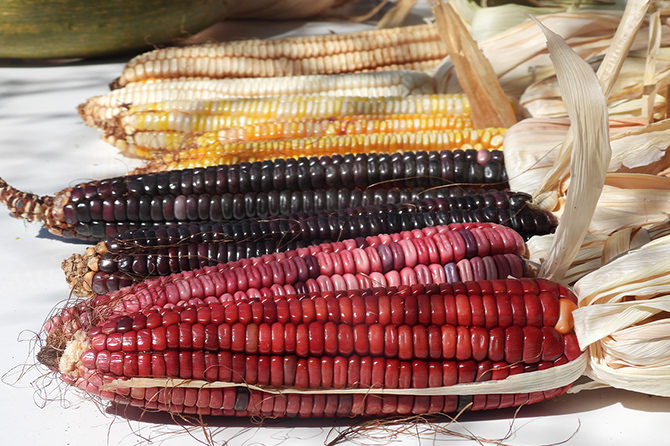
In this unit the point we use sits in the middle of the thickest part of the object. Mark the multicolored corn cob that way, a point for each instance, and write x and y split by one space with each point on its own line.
181 345
414 48
193 116
154 144
136 256
381 84
345 125
101 209
206 151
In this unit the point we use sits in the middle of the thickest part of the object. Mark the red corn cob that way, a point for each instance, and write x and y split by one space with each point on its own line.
395 350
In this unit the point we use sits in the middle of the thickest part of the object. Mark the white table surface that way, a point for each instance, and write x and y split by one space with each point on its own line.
44 147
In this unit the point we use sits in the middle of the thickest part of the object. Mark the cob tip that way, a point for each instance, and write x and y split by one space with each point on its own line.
80 268
78 272
64 359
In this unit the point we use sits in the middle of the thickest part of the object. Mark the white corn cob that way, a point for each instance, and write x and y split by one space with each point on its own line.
100 109
415 47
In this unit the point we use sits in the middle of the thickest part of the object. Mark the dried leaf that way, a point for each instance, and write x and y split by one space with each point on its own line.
537 381
615 244
489 22
623 319
608 71
531 147
542 99
489 105
596 249
591 153
650 84
631 200
632 20
519 55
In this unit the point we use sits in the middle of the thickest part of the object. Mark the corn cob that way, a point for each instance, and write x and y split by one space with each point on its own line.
152 144
205 152
103 208
346 125
196 116
432 255
252 205
382 351
189 116
161 251
389 83
414 47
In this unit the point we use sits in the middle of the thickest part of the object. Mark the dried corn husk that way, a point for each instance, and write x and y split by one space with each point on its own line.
519 56
587 109
537 381
623 40
487 22
651 81
636 193
596 249
623 320
624 305
532 147
489 105
542 99
631 201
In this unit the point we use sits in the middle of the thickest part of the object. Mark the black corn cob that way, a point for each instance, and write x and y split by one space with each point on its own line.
160 251
101 209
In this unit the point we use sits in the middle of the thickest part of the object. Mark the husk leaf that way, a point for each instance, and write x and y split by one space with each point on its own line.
628 98
608 71
532 146
650 78
632 20
597 249
488 22
489 106
624 321
631 200
519 56
587 109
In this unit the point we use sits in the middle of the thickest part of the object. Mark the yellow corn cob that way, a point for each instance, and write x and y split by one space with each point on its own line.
203 116
204 151
150 144
207 116
414 47
100 109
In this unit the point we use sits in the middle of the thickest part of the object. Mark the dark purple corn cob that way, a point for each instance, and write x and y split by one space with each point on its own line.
101 209
150 252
